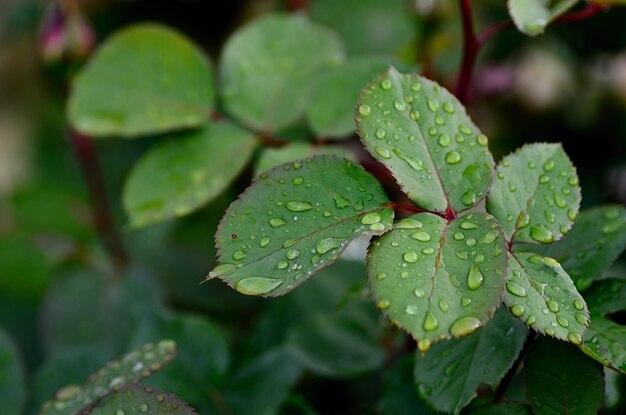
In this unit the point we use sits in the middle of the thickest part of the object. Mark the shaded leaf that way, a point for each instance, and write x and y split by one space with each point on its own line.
145 79
269 67
137 400
331 110
185 172
294 220
605 340
595 241
449 374
536 194
12 377
540 293
400 395
272 157
532 16
561 380
504 408
132 367
369 26
422 133
436 279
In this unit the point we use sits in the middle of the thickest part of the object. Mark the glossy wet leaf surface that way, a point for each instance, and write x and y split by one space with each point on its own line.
132 367
272 157
532 16
438 280
294 220
595 241
423 135
605 340
185 172
560 379
12 377
541 294
138 400
154 80
330 112
449 374
535 194
269 68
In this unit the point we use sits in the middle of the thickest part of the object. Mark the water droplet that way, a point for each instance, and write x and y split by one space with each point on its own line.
423 345
433 104
239 255
453 157
120 412
371 218
553 306
579 305
383 152
298 206
264 242
276 222
420 236
475 278
326 245
381 276
428 251
340 201
257 286
430 322
447 107
410 257
543 179
383 304
516 289
470 242
419 293
531 320
541 233
581 319
143 407
385 84
468 198
365 110
298 180
550 216
466 301
443 305
414 163
467 225
293 254
459 236
377 227
222 270
415 115
399 105
282 265
464 325
482 140
411 309
548 166
562 322
408 224
380 133
575 338
444 140
517 310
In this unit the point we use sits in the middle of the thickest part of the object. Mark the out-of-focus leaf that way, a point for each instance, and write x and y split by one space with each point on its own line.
186 172
139 400
12 379
272 157
145 79
532 16
449 374
269 68
400 395
504 408
294 220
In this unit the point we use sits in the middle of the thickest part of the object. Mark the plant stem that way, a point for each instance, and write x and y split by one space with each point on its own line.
508 378
87 155
588 12
297 5
470 52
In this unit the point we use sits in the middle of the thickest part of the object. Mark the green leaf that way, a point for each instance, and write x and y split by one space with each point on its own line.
270 66
560 380
186 172
436 279
605 340
139 400
272 157
504 408
294 220
536 194
369 26
532 16
145 79
331 110
595 241
422 133
12 379
134 366
449 374
400 396
540 293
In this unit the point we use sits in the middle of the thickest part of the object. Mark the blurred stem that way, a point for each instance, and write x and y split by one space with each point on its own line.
297 5
101 209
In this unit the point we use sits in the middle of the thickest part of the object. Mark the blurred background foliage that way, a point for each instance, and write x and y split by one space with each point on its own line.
66 311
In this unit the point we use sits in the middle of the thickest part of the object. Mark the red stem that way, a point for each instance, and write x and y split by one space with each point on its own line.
88 157
588 12
297 5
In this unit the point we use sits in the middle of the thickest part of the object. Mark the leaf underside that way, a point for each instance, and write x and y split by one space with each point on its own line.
532 16
296 219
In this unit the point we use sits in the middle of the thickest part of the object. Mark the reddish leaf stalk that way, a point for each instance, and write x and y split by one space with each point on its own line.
87 155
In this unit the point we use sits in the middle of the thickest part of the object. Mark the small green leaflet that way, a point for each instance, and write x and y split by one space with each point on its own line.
449 374
542 295
296 219
536 194
12 379
595 241
185 172
532 16
605 340
437 279
422 133
270 66
559 380
134 366
145 79
135 399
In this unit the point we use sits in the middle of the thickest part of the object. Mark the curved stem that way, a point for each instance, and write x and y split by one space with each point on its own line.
470 52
